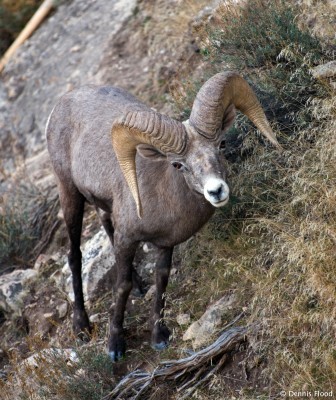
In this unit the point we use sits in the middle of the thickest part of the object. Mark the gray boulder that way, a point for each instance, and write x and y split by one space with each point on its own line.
13 288
98 262
201 331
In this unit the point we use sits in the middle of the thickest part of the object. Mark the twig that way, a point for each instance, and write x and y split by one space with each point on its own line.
33 24
212 372
186 373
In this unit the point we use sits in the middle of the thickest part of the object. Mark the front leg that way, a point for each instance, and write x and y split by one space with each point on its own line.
124 258
160 333
81 323
72 203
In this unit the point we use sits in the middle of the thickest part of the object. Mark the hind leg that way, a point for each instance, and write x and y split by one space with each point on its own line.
124 252
106 221
72 203
160 332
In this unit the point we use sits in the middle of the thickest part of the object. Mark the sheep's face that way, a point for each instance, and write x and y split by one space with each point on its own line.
203 167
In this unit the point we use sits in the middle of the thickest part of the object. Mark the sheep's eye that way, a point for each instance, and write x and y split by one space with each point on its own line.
222 145
177 165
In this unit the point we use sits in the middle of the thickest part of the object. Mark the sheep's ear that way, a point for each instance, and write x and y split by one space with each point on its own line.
150 152
228 118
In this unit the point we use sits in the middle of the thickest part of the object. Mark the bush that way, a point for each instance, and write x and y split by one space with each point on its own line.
27 218
253 35
263 41
83 373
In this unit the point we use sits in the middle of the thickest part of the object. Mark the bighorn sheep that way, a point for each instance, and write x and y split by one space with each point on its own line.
152 178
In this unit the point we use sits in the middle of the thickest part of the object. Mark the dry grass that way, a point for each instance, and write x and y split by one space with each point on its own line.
291 261
275 245
83 373
28 218
295 289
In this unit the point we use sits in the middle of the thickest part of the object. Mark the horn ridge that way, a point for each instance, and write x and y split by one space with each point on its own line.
136 127
160 129
216 95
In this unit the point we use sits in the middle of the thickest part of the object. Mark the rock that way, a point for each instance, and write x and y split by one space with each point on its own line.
44 315
14 87
94 318
98 261
38 168
205 14
183 319
62 309
145 248
150 267
42 259
325 71
37 359
200 331
35 368
150 293
33 81
59 278
13 287
42 325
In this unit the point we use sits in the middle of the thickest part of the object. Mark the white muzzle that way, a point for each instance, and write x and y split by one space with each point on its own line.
216 191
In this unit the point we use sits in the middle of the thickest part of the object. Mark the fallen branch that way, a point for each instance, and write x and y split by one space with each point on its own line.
33 24
187 373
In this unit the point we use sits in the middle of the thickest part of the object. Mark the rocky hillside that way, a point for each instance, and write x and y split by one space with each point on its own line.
131 44
259 266
141 46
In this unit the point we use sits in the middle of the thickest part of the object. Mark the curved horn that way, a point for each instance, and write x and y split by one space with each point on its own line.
216 95
148 127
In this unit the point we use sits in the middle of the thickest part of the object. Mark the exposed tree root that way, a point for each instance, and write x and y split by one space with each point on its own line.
187 374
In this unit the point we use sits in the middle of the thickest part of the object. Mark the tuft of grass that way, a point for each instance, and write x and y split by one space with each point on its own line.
254 34
27 219
262 40
83 373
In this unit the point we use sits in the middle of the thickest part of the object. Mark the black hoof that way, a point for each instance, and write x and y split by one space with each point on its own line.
84 336
160 346
116 356
160 337
138 292
81 326
117 347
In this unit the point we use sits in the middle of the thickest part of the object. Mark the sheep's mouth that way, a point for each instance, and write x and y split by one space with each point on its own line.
220 203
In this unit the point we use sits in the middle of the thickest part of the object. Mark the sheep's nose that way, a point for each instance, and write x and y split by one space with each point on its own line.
216 191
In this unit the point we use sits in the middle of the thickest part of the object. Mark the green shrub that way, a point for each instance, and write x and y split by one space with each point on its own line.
253 35
27 218
262 39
